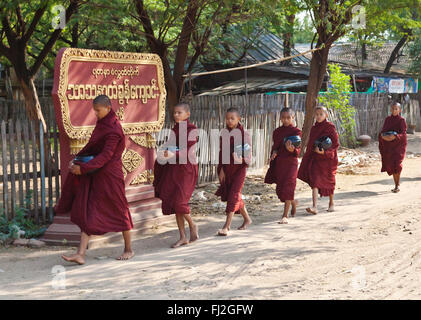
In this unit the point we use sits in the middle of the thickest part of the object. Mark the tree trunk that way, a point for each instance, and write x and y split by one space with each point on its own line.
364 53
395 52
33 110
318 67
288 38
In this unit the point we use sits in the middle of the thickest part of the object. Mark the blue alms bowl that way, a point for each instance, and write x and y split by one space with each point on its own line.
241 150
295 140
83 159
389 133
323 143
172 148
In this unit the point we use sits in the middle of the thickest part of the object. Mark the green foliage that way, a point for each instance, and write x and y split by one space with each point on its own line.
415 55
9 229
337 99
304 31
387 20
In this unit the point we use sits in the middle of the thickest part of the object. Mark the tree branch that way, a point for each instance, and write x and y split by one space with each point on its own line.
21 22
10 35
37 17
52 40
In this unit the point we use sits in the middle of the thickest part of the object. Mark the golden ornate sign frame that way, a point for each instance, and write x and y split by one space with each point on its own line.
75 54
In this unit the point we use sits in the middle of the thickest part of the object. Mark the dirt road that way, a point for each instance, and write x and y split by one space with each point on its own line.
368 249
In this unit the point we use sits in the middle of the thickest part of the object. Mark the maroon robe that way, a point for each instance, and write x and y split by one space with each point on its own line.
319 170
235 174
175 182
393 152
283 169
96 200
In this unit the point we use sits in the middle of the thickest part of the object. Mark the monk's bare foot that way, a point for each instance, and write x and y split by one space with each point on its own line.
331 209
77 258
180 243
223 232
312 210
245 225
284 220
126 255
396 190
194 233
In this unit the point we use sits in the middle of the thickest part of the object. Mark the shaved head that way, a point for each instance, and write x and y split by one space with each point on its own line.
396 104
288 110
183 105
324 109
234 110
102 100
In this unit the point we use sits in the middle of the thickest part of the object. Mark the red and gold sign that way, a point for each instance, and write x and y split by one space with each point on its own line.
135 84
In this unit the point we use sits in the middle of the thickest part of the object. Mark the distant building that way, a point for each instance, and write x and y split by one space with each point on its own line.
367 76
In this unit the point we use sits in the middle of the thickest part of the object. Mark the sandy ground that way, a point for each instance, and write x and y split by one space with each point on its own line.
368 249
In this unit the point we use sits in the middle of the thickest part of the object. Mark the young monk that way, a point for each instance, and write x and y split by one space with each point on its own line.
284 163
393 147
318 167
176 173
94 191
232 169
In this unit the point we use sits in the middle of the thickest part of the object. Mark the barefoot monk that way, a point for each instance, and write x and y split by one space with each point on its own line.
94 191
392 144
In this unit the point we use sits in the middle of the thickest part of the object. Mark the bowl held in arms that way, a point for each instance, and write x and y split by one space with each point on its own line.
323 143
84 159
295 140
242 150
169 148
389 133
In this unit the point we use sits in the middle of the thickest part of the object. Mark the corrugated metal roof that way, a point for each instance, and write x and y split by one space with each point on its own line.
265 46
256 85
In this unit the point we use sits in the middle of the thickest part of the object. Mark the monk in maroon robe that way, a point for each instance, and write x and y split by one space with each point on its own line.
94 191
176 173
318 167
393 146
234 157
284 163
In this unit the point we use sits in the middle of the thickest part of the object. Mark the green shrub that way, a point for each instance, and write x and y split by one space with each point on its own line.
337 99
9 229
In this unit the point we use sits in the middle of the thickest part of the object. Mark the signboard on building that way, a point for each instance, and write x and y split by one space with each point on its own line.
395 85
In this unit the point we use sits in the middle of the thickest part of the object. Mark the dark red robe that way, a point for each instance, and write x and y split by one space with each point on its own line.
316 169
283 169
175 182
235 173
393 152
96 200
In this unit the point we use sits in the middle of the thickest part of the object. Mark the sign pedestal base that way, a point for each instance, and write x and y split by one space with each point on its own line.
144 208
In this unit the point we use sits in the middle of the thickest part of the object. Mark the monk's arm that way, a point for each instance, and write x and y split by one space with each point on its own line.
86 150
331 152
104 156
276 143
297 150
219 168
401 136
247 140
